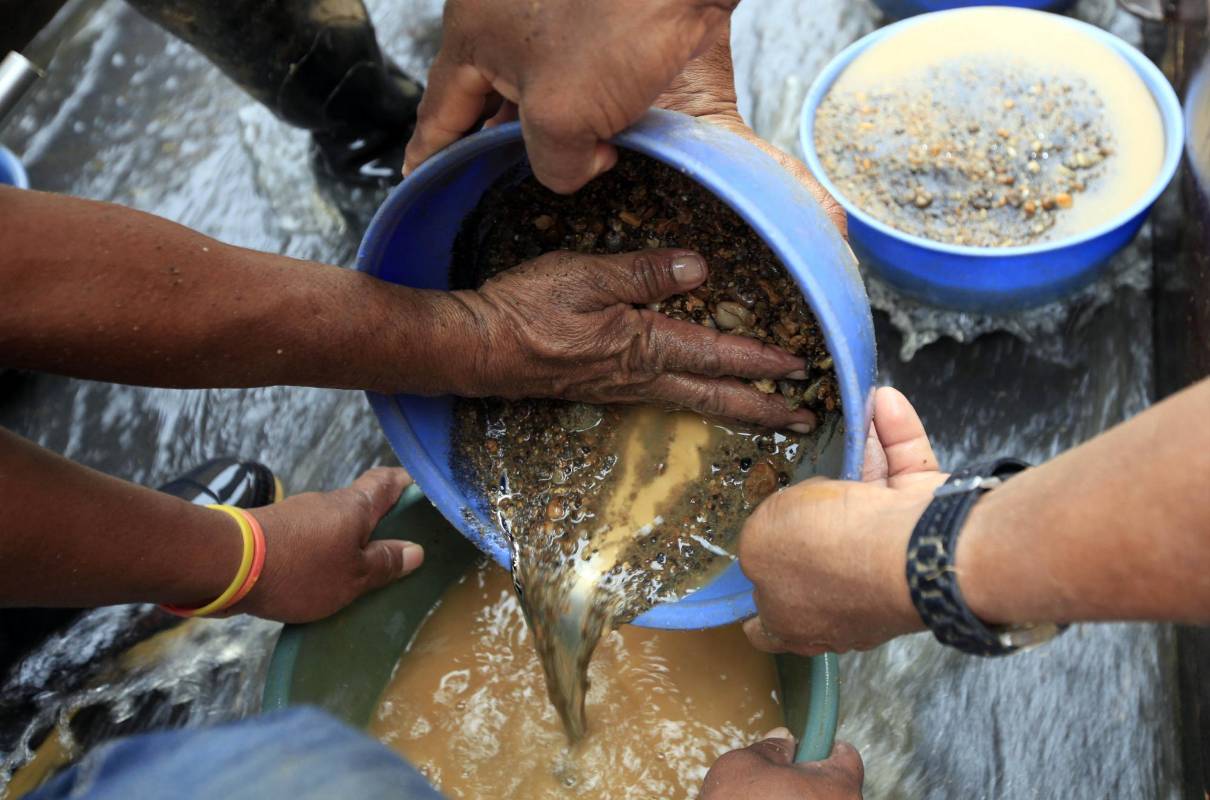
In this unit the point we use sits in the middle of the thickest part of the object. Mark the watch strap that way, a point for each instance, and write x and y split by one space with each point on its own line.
931 573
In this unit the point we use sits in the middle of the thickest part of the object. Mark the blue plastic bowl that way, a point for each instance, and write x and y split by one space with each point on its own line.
410 239
11 171
899 9
1003 278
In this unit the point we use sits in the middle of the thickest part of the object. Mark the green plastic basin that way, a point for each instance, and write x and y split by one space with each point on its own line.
342 664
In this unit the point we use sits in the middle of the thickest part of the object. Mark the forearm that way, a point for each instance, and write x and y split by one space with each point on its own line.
1117 529
74 537
103 292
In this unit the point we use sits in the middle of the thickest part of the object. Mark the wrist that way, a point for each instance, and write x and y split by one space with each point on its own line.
892 547
470 351
206 554
432 342
997 584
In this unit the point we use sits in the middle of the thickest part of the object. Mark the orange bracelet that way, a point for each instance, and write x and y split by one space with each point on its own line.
251 564
258 557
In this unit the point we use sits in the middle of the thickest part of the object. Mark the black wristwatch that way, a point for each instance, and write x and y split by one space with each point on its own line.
932 575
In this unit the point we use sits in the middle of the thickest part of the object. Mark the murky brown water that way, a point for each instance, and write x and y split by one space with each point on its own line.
611 511
467 705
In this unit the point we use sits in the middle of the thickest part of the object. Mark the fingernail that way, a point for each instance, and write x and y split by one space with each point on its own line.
689 270
797 375
604 159
413 557
802 427
780 733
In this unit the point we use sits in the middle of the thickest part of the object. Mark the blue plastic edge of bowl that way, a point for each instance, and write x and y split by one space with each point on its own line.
899 9
12 173
853 350
1020 288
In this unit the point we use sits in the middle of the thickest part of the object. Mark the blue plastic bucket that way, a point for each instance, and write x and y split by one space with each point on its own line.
11 171
409 242
898 9
995 279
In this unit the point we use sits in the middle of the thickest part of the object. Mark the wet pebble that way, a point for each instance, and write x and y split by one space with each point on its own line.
760 483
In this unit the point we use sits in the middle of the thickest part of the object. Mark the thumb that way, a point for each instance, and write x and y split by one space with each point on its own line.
842 770
643 277
563 156
777 747
389 560
760 638
902 435
449 108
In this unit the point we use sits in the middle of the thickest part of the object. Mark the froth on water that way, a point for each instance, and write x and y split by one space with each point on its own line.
468 707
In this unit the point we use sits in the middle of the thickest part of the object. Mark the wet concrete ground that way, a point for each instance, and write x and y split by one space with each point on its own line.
131 116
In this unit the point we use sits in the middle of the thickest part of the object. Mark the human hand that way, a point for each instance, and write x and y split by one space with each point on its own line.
706 89
318 553
767 770
577 72
827 557
566 325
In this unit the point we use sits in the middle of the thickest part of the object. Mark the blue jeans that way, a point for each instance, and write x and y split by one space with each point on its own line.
289 755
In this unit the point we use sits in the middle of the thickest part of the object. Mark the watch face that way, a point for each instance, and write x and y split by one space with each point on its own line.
1026 637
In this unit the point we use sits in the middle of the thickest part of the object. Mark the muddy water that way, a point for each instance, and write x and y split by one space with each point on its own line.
1021 42
467 705
659 455
611 510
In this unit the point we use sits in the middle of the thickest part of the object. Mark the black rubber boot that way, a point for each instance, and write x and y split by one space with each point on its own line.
227 481
317 65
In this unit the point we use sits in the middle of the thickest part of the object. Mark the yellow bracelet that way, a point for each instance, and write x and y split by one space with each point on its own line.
241 575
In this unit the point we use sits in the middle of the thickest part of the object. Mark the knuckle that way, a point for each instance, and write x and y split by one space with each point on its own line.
644 352
547 118
649 273
710 400
362 574
358 500
708 357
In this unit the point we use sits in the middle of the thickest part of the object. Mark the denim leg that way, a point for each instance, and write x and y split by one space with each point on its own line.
296 754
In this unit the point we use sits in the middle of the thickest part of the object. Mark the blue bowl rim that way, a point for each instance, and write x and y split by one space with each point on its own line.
856 408
12 165
1153 79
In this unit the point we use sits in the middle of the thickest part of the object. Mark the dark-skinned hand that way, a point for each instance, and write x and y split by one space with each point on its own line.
574 326
318 553
575 72
706 89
